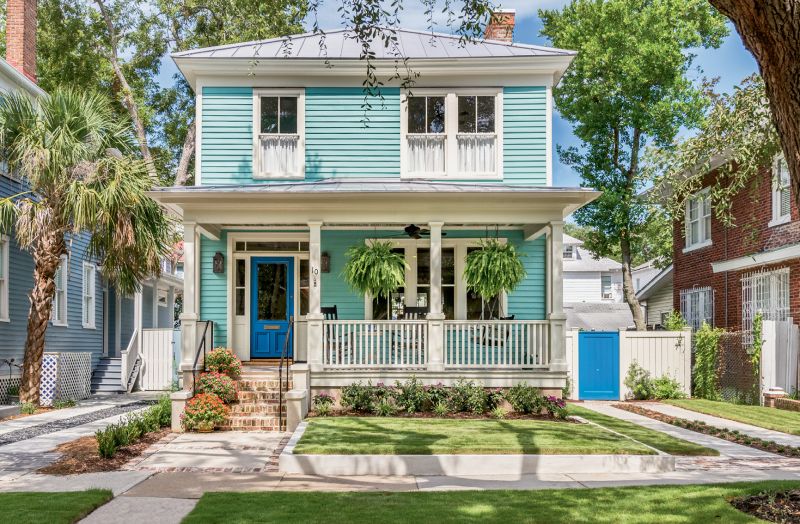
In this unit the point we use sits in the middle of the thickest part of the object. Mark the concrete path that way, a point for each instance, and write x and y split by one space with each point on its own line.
136 510
748 429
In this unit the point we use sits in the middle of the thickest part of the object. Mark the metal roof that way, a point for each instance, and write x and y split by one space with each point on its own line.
598 316
587 262
357 185
341 44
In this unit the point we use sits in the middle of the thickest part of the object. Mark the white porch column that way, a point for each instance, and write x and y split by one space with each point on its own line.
558 348
314 316
154 312
171 307
189 314
435 315
117 323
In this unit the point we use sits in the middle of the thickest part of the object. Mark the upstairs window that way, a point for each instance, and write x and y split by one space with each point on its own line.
698 220
279 128
569 252
4 242
781 193
606 291
452 134
58 315
89 272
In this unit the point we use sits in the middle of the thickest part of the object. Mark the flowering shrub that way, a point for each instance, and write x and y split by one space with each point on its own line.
555 407
410 395
437 394
323 404
524 399
225 361
204 409
357 397
217 384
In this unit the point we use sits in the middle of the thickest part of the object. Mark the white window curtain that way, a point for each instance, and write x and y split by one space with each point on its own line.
476 154
426 153
58 315
697 306
89 277
766 292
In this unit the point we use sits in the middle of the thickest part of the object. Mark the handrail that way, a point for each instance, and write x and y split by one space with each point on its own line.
201 346
284 355
127 364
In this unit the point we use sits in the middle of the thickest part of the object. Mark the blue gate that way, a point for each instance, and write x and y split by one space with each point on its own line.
598 365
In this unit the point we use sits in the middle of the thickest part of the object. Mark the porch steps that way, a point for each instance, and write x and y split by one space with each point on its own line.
258 406
107 376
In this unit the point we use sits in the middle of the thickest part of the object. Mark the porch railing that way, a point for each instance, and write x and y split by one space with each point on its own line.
374 344
496 343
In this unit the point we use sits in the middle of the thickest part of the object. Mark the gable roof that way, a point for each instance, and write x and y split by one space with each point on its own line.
663 278
571 241
341 44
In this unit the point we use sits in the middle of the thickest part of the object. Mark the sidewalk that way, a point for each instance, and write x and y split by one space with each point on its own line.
753 431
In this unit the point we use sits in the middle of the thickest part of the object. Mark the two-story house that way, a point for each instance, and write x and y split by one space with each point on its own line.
725 275
293 169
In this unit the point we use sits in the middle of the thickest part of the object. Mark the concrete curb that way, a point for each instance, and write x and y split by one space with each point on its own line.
461 465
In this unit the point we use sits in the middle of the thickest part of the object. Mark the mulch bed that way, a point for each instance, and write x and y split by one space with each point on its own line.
465 416
81 456
725 434
783 507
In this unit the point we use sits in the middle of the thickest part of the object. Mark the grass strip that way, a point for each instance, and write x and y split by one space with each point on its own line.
628 505
723 433
51 508
763 417
651 437
410 436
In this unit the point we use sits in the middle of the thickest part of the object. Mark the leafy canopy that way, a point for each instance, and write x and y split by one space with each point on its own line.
627 87
374 269
73 151
494 268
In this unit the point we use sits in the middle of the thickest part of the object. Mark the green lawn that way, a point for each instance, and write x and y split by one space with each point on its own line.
430 436
630 505
51 508
769 418
651 437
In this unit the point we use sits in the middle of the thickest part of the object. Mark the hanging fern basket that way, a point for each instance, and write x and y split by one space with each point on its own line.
374 269
493 269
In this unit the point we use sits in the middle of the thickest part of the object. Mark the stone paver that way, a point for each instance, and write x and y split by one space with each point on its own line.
117 481
187 485
228 451
136 510
753 431
725 448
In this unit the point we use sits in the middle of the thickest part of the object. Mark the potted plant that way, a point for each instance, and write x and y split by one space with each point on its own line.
218 384
374 269
13 394
493 269
203 413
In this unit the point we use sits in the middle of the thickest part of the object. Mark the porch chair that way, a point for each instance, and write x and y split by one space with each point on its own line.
415 312
487 338
410 313
338 343
330 312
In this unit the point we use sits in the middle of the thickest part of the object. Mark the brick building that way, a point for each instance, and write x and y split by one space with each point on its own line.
725 275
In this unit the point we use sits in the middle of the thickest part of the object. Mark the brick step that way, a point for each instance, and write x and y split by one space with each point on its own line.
262 385
258 396
244 409
252 423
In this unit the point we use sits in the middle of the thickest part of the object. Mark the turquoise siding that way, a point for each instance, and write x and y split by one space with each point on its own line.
338 142
227 135
214 288
524 135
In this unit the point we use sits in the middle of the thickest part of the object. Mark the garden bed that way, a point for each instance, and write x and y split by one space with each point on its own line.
725 434
763 417
783 506
508 415
80 456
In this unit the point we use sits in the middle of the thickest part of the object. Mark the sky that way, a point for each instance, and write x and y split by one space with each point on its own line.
730 63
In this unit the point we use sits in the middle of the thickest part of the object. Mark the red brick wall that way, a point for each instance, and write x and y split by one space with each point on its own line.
21 36
750 234
501 26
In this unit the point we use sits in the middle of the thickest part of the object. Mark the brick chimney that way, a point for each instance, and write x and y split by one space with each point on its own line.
501 25
21 36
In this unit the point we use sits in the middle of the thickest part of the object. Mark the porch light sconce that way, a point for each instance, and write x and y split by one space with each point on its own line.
325 263
219 263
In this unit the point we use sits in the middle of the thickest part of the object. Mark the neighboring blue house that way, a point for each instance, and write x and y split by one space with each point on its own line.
293 169
88 314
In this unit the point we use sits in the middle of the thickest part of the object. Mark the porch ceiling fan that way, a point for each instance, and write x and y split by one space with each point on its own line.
416 232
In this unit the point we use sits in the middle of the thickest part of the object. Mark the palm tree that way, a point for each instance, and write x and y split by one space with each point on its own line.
74 154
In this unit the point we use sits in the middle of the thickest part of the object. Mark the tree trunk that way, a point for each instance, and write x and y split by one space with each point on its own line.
182 175
627 283
127 94
770 30
46 258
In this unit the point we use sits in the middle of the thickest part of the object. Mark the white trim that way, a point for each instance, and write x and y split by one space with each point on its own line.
198 136
549 135
300 94
759 259
451 133
63 265
5 314
92 294
695 247
701 197
776 190
785 219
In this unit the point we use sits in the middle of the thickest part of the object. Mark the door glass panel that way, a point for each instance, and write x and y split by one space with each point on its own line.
272 289
304 272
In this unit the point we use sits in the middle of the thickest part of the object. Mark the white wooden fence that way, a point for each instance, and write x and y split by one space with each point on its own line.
659 352
496 343
157 359
779 355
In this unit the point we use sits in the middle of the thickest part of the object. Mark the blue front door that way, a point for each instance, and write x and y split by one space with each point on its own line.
272 303
598 365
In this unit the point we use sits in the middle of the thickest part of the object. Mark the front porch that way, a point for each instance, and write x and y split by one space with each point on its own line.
264 264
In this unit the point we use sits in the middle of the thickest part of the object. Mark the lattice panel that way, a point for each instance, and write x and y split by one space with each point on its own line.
74 376
6 383
47 385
